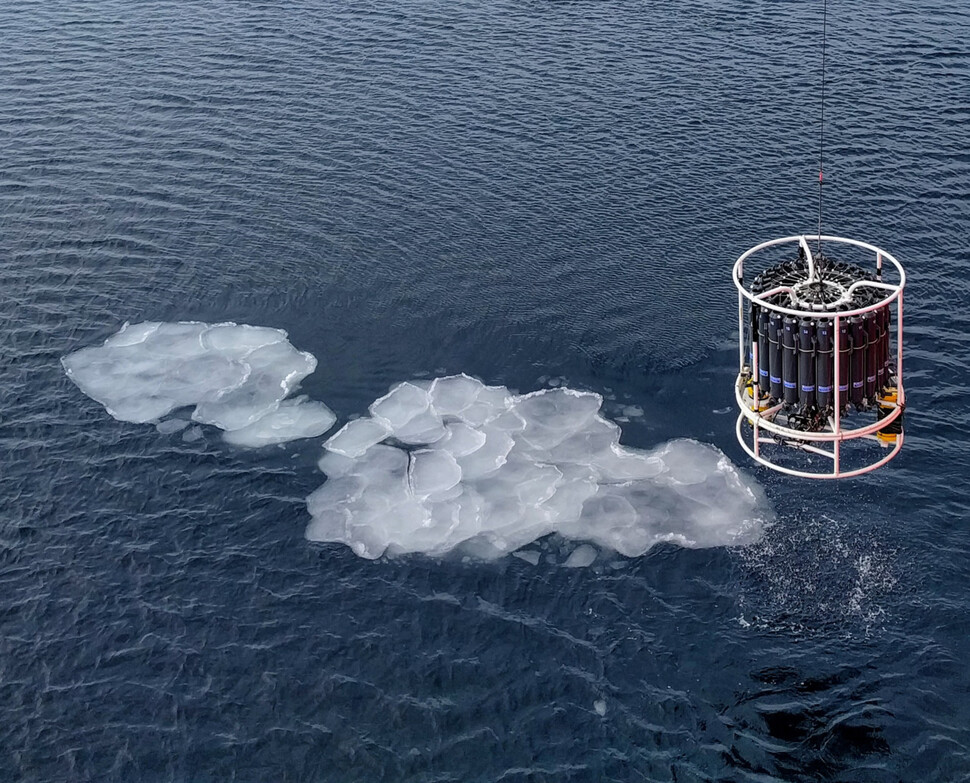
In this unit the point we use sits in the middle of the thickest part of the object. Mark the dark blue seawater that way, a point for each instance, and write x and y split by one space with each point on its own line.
519 191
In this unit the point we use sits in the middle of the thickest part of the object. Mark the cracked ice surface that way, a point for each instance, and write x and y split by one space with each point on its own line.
457 465
235 376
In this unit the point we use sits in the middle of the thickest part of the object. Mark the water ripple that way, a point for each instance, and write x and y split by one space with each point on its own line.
517 191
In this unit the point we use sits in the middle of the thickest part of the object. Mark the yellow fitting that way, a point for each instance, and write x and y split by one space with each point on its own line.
887 401
889 397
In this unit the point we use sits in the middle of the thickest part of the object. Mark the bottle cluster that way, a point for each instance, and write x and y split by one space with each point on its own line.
796 359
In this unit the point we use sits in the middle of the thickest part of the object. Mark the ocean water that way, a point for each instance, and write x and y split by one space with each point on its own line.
536 194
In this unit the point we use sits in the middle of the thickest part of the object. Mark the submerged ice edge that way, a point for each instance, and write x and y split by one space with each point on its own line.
437 466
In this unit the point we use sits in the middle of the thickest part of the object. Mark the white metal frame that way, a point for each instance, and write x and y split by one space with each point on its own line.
828 442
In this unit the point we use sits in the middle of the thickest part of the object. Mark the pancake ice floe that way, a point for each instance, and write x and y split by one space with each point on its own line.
455 465
235 377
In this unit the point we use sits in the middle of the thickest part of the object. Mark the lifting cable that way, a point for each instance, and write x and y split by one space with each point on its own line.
821 130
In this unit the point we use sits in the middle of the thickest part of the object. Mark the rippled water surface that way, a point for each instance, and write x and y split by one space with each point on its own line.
533 193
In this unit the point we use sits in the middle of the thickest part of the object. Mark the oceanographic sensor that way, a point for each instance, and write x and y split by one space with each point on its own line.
820 377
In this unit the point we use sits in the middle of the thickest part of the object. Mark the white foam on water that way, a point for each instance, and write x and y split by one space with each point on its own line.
237 378
455 465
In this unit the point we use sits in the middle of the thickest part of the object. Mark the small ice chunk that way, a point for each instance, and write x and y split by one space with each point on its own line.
180 341
498 398
507 421
600 706
432 471
593 441
452 394
336 495
552 415
169 426
401 404
609 511
385 468
293 419
618 464
192 434
142 408
535 482
686 462
489 457
580 557
333 463
356 436
461 439
479 413
566 504
458 517
240 340
422 429
529 555
272 372
328 523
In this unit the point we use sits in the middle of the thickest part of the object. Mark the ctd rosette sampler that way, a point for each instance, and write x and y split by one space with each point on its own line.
820 384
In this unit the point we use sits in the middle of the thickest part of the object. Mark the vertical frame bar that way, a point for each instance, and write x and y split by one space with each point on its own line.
756 392
837 357
899 349
740 320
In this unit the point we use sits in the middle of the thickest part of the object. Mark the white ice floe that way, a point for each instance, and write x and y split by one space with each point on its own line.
457 465
438 466
236 377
